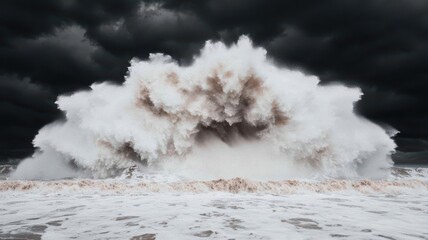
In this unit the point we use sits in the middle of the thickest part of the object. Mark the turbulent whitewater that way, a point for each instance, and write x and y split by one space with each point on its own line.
231 113
231 146
138 205
150 183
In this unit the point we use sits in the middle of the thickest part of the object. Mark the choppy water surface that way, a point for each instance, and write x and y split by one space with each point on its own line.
156 207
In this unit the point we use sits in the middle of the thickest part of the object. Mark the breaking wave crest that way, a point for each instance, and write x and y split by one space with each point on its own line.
234 185
231 113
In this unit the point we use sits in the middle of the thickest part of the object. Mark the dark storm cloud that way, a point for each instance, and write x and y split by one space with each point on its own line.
25 106
60 59
152 28
53 47
20 18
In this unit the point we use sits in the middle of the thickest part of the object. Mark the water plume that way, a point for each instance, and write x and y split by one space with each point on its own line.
231 113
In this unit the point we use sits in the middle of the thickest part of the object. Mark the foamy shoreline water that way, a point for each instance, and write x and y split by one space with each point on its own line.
155 207
213 215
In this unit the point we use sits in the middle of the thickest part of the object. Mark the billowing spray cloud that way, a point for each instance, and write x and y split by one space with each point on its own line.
231 113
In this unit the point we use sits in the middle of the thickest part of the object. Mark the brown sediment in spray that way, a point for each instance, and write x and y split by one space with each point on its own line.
233 107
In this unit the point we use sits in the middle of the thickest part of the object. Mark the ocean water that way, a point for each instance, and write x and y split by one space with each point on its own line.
231 146
143 206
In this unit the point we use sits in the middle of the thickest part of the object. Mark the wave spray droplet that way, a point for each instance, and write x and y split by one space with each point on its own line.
232 113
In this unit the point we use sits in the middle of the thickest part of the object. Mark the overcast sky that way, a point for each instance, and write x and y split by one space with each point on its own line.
52 47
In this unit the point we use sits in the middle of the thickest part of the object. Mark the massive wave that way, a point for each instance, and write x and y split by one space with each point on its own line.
231 113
